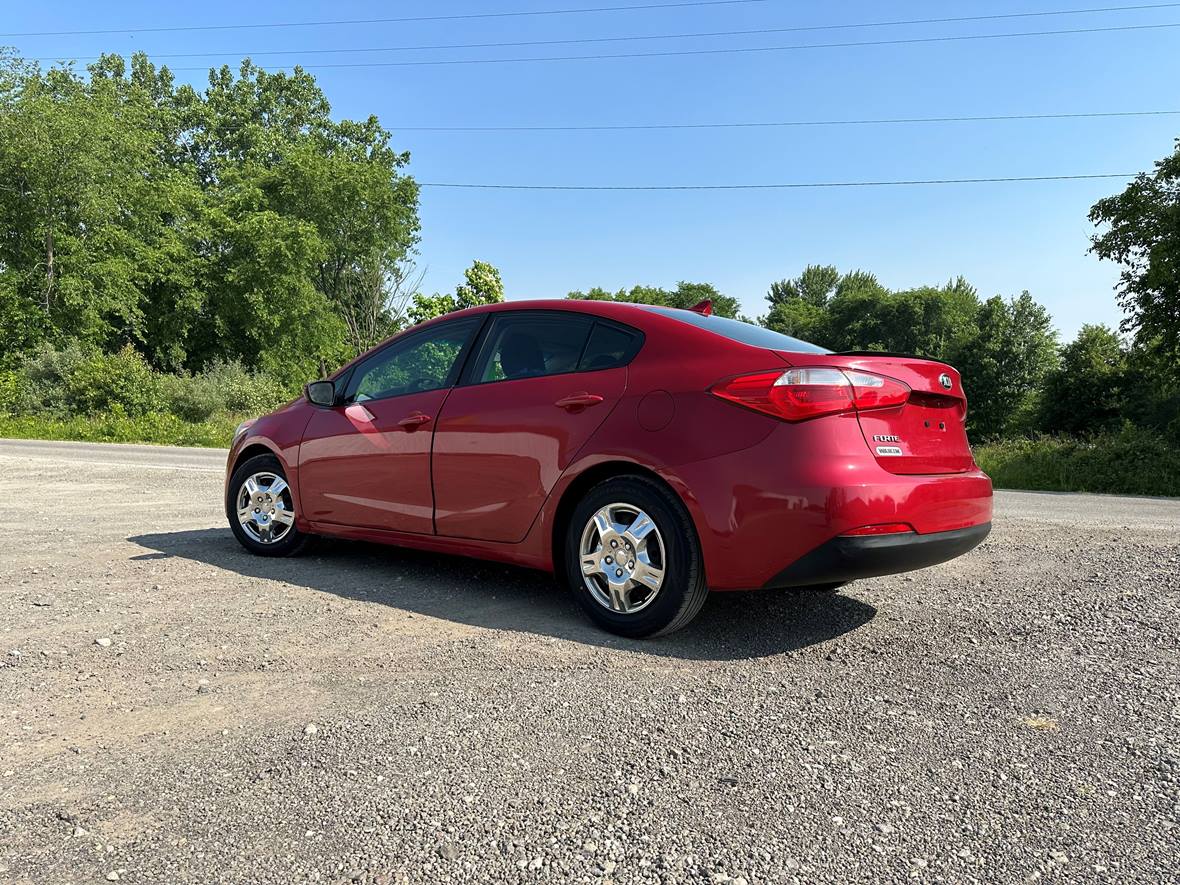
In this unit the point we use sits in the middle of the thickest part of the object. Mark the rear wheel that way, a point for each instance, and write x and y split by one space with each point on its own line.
261 508
632 558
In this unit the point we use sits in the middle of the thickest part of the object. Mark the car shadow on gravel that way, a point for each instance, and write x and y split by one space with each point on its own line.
731 626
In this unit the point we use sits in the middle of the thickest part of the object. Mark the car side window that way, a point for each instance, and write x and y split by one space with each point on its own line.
609 347
426 361
532 345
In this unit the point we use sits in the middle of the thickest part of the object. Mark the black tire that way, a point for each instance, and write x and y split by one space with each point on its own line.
683 590
290 543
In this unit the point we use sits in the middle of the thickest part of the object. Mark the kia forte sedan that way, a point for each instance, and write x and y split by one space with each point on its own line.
645 455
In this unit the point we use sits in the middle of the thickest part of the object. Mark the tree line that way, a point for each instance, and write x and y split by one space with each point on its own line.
239 222
185 230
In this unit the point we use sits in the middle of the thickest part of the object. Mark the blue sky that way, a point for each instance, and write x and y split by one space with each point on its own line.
1003 237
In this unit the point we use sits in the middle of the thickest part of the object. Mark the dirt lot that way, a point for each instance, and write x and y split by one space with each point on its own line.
174 710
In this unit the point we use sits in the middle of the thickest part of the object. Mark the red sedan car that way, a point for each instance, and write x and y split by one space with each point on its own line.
643 454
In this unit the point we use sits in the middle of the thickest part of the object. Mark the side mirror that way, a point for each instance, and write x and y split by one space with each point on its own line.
321 393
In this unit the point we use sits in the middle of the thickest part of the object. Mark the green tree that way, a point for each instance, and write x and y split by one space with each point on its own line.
481 285
855 312
1143 235
1084 394
800 319
814 286
92 213
685 295
1004 362
316 213
237 222
597 294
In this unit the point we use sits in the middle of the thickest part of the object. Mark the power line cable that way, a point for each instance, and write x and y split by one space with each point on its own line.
381 21
637 37
724 51
780 186
774 123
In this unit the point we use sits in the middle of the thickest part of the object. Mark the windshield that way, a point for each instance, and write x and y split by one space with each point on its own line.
736 330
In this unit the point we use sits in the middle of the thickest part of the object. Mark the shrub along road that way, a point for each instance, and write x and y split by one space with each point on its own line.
172 709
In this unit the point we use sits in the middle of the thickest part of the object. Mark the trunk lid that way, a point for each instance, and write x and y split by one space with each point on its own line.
924 435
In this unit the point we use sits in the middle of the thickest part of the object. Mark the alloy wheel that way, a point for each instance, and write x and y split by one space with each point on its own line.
265 508
622 559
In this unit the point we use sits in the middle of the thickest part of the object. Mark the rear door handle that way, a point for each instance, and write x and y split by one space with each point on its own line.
578 401
413 422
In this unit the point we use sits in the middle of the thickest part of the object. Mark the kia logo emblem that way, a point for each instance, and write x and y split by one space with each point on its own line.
945 380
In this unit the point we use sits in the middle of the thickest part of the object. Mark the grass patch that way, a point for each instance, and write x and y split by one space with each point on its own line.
156 427
1131 461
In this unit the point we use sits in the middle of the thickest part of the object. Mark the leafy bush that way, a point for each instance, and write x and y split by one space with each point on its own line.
69 381
248 392
222 388
191 398
1130 461
15 397
119 382
45 373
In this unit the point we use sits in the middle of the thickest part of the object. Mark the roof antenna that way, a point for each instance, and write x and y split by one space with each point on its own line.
704 308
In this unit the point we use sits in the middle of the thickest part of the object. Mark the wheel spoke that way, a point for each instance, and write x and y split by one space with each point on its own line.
603 524
245 514
648 575
590 565
277 487
640 528
285 517
251 486
618 597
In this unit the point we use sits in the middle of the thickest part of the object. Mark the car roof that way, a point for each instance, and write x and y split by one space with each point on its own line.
616 309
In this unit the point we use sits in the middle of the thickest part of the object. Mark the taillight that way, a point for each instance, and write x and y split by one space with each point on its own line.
800 394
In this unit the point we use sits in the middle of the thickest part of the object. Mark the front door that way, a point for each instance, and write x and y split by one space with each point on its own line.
541 385
366 461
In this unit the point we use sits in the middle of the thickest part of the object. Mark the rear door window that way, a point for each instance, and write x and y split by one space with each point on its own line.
532 345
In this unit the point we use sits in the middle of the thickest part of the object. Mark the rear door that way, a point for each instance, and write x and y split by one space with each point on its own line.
366 461
540 385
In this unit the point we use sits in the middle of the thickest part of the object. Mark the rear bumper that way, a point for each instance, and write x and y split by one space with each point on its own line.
848 558
759 510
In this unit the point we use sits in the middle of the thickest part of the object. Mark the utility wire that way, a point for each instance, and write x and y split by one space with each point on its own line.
381 21
725 51
752 187
636 37
753 125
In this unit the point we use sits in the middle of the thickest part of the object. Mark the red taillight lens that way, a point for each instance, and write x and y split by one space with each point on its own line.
888 528
800 394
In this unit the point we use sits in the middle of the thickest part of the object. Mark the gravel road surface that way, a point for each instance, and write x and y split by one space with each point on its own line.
175 710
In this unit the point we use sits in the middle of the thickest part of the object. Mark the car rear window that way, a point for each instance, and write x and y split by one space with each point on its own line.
743 333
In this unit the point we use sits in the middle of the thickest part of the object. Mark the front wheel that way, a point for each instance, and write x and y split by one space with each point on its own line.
261 508
633 560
